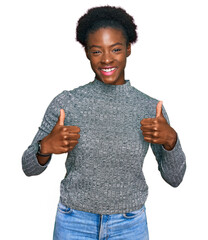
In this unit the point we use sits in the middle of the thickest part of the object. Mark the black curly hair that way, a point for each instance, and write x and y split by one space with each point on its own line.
106 16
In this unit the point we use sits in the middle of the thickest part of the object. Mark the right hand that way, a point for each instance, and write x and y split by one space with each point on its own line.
62 139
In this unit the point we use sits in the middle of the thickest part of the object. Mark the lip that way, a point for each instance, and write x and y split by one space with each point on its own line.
106 67
107 73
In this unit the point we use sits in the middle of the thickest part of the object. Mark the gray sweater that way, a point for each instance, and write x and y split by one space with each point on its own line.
104 170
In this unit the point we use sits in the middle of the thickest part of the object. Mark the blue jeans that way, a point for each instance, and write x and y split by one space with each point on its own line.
71 224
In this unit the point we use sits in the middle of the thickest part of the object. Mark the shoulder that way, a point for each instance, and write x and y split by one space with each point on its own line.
68 95
143 96
148 104
144 100
75 93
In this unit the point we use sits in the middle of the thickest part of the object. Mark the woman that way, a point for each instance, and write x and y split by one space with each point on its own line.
106 127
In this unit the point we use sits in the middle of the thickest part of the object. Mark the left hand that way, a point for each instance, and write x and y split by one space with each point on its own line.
157 130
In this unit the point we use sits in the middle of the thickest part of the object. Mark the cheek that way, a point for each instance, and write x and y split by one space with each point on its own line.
122 58
94 67
93 64
123 62
94 61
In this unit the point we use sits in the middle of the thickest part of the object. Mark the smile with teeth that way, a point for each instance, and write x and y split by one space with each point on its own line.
107 69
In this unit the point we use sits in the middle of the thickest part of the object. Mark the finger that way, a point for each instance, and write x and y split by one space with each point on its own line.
149 128
61 118
71 136
147 134
147 121
68 143
159 109
73 129
73 143
74 136
151 134
150 139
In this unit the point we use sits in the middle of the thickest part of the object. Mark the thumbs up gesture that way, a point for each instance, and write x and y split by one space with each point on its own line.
62 138
157 130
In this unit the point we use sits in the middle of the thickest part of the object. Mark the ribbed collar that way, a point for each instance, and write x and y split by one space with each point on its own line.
109 89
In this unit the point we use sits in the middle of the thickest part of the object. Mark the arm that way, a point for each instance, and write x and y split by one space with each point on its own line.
54 135
31 164
166 146
171 164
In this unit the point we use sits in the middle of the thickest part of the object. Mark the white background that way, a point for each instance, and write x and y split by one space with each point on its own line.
39 58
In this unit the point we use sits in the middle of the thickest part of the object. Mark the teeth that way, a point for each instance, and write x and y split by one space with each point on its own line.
108 69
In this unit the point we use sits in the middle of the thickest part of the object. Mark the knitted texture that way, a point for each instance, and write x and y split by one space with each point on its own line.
104 170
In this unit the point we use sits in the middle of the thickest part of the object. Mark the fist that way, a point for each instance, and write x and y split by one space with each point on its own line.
62 139
157 130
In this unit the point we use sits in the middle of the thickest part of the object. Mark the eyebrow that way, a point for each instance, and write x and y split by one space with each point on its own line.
118 43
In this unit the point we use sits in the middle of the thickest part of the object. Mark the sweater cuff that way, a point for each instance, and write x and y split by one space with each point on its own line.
36 150
32 166
174 156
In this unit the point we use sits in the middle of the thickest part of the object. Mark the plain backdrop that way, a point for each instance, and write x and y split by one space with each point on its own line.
39 58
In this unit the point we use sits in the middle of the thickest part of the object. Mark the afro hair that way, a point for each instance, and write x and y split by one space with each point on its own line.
106 16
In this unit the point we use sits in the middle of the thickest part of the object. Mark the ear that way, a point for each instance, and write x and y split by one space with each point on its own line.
128 50
87 53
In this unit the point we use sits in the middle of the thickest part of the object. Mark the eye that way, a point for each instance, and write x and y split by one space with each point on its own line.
96 52
116 50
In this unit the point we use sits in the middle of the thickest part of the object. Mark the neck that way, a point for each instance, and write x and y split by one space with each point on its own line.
112 83
111 89
109 81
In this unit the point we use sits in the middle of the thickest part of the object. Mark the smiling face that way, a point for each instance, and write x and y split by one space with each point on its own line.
107 51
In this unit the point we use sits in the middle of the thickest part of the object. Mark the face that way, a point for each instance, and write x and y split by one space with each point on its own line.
107 51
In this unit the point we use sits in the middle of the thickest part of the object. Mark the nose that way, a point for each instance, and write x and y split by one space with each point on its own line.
107 58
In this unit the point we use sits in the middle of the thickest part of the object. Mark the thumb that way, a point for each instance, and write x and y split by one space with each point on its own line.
61 118
159 109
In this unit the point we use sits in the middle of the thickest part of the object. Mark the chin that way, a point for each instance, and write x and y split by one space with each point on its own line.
107 80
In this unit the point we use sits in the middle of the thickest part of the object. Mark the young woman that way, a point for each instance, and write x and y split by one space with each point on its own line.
106 127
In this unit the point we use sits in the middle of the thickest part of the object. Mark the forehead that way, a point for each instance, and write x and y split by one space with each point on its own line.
106 36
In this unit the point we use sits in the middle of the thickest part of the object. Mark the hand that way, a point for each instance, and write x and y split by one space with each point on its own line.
157 130
62 138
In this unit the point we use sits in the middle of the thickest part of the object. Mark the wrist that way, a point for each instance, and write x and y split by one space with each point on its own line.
42 150
171 141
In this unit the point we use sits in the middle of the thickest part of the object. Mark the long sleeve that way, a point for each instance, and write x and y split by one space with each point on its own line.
30 164
171 164
104 172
